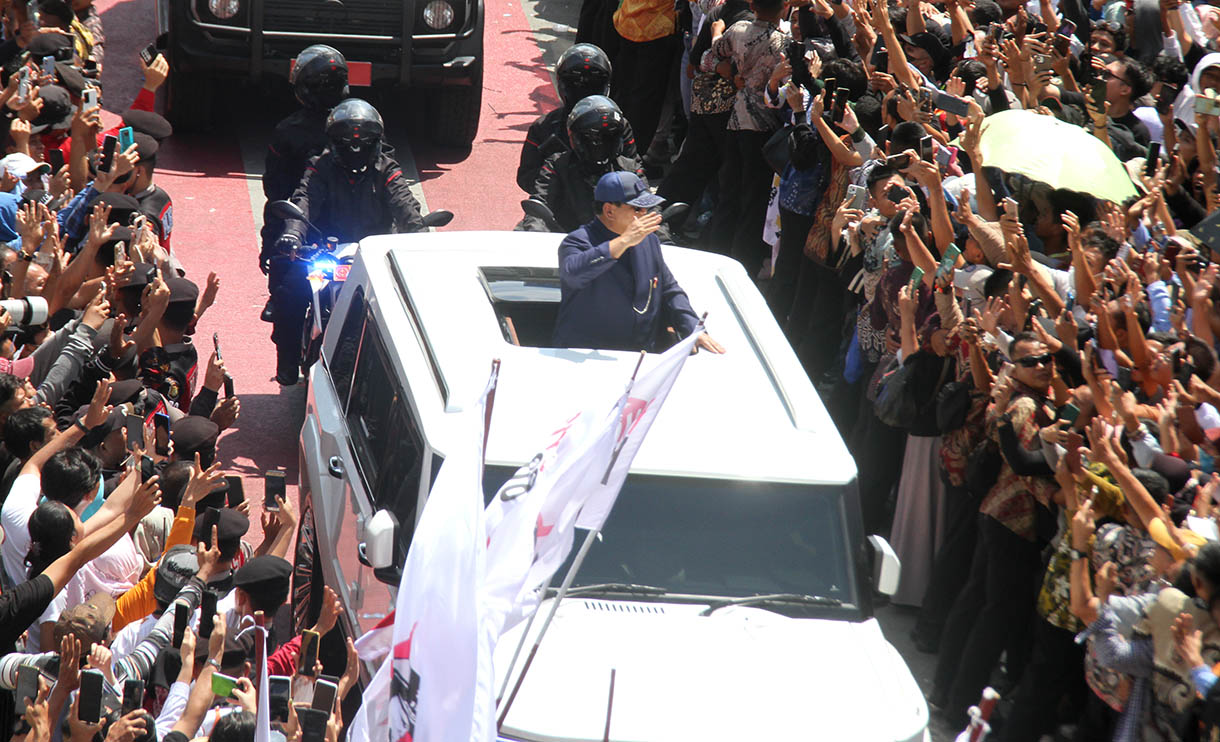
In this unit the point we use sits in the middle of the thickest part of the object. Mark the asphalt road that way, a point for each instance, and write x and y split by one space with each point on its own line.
214 180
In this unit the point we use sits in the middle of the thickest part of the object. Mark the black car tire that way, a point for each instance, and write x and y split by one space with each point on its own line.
455 113
307 580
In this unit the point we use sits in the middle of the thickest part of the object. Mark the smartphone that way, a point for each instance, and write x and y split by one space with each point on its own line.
1043 63
135 432
161 434
313 724
840 103
133 695
1067 28
127 137
207 614
996 32
1097 94
27 686
952 104
146 468
896 194
148 54
1124 377
1010 206
228 386
309 653
89 703
273 486
89 97
55 158
880 58
1062 45
899 162
1165 99
1154 155
1174 291
830 88
237 492
216 345
924 97
858 195
223 685
1068 413
949 259
324 692
926 149
280 687
120 252
916 277
23 86
108 146
182 618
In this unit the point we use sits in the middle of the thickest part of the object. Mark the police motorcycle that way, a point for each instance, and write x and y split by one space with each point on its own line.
328 264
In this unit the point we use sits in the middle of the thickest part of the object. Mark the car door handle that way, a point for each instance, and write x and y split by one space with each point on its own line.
335 467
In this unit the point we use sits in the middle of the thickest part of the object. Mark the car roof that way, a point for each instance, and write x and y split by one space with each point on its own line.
748 414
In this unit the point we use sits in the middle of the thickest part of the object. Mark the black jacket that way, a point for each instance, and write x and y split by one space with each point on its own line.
548 136
566 185
379 201
296 140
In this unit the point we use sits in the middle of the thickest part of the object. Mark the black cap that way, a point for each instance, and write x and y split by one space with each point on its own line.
182 290
49 45
146 122
70 78
56 110
230 526
267 576
174 570
146 146
125 391
123 207
193 433
142 274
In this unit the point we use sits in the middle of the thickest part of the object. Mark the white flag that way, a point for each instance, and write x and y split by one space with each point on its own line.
435 660
532 520
262 720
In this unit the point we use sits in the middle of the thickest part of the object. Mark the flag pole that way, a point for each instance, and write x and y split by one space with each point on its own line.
521 643
609 707
494 381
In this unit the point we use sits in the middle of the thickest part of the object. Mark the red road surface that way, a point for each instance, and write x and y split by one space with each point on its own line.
214 225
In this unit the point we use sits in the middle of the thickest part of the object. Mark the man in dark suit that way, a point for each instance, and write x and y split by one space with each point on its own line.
617 292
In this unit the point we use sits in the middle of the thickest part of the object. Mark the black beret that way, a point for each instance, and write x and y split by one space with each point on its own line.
181 290
70 78
146 146
142 274
265 574
56 109
230 525
125 391
49 45
122 206
192 433
114 421
147 122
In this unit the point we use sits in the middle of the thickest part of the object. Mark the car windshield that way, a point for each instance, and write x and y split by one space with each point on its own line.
719 537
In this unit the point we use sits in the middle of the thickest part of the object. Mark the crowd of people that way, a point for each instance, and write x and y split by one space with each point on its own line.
132 580
1027 321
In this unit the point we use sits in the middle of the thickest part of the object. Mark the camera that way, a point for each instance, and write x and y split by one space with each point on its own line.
26 312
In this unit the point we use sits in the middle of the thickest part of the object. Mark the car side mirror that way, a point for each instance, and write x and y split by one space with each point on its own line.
886 566
377 549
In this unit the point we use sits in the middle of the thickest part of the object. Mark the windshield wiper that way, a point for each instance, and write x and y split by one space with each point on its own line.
613 587
772 598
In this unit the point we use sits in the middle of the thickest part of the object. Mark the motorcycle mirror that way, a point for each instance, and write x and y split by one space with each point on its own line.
674 212
438 218
287 210
538 210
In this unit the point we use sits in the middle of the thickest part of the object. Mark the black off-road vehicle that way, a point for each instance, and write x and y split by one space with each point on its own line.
435 45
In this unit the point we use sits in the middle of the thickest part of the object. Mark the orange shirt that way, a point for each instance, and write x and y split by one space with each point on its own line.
139 602
645 20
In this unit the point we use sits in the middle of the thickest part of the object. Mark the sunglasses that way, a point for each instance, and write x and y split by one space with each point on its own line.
1032 361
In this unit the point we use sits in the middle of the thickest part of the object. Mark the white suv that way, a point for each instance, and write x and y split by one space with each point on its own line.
743 488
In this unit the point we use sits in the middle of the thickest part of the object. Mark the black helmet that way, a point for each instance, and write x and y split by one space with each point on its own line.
355 130
319 77
595 129
583 70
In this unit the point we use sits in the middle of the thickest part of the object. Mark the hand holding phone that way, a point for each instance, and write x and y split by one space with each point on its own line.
308 656
89 700
135 432
161 433
182 617
273 486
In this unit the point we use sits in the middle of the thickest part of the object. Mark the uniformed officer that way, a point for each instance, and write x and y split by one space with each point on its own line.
155 203
616 292
582 70
230 526
192 435
172 367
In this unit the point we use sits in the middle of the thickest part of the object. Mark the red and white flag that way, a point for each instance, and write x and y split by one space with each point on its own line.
532 520
437 655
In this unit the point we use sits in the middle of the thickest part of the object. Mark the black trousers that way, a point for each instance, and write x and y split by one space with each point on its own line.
700 163
642 71
290 294
951 568
781 290
878 450
815 322
745 207
1056 670
992 613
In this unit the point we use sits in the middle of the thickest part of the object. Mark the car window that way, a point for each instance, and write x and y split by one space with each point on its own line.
402 465
342 360
370 410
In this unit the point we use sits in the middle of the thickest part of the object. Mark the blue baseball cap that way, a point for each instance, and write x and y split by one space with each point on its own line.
625 188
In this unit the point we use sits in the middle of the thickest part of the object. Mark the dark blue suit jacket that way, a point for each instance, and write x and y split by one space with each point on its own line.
622 304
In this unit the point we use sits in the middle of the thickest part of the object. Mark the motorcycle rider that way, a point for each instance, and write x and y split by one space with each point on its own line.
567 179
582 70
319 80
352 190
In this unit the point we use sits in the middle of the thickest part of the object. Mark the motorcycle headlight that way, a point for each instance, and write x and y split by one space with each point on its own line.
224 9
438 14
